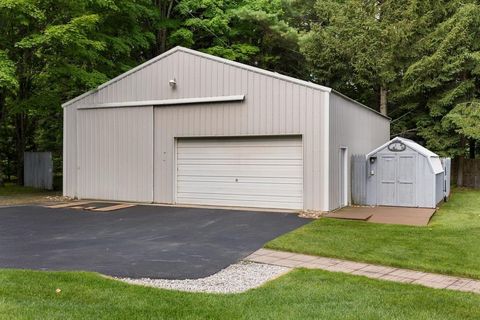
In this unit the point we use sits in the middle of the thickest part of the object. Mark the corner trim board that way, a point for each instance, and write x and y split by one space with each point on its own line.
326 153
166 102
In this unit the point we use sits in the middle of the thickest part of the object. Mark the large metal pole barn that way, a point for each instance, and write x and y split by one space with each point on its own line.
187 127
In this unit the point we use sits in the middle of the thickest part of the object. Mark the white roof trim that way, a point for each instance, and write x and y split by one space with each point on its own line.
80 97
165 102
255 69
433 158
361 104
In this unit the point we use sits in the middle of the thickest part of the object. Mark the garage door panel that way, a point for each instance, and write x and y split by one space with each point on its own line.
235 162
249 172
242 188
239 197
240 171
217 143
258 180
254 152
237 201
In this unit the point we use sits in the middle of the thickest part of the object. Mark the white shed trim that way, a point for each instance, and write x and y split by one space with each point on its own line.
165 102
433 158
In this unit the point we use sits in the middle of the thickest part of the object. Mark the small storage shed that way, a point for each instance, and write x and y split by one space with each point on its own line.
403 173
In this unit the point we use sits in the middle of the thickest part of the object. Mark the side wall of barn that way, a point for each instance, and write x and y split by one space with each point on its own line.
359 130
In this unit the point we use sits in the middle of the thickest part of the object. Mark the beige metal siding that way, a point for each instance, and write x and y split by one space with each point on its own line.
70 151
70 146
283 110
273 105
115 154
358 129
246 172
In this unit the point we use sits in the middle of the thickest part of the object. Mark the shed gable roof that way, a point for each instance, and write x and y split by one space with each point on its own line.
433 158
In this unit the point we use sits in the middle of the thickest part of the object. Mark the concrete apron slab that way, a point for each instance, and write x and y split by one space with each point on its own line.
431 280
386 215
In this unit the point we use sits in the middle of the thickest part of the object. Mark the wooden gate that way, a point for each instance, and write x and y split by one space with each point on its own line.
38 170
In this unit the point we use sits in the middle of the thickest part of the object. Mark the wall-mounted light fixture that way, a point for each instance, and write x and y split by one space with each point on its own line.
372 169
172 83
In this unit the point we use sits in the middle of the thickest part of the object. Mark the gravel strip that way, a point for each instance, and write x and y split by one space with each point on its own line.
236 278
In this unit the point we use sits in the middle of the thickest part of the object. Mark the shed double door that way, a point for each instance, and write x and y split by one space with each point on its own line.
397 180
262 172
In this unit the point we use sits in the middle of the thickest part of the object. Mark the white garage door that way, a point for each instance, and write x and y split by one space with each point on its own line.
245 172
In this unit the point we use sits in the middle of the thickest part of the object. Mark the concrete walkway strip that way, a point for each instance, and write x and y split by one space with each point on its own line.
432 280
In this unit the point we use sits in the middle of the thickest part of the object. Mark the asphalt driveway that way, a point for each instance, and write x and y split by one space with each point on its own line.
142 241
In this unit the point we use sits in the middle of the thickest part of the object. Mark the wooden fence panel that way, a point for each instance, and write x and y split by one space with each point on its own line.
471 173
38 170
359 179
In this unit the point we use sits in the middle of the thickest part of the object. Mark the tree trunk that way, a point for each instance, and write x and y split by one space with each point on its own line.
165 8
161 42
461 159
20 142
471 145
383 100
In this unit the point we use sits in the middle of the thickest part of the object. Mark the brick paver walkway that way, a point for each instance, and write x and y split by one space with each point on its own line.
296 260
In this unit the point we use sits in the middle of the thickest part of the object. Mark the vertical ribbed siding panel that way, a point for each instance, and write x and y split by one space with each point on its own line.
356 128
288 94
300 114
272 107
256 108
243 114
227 119
262 103
70 151
295 108
116 154
268 95
308 196
315 153
283 106
276 106
234 86
250 101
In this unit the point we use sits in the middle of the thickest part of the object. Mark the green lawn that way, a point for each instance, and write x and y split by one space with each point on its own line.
301 294
11 189
11 194
450 244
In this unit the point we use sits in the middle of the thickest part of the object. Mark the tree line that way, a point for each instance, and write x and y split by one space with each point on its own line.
417 61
